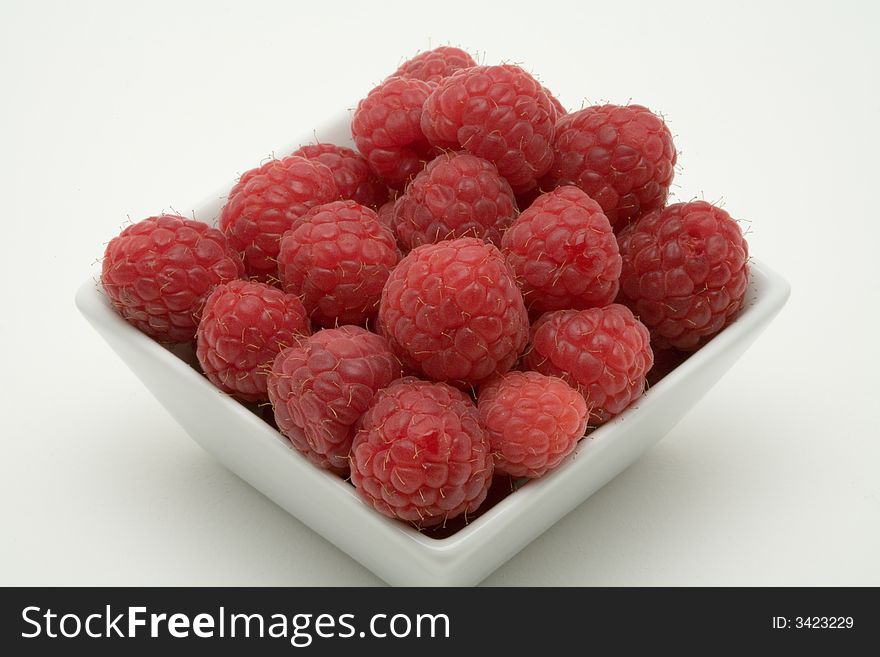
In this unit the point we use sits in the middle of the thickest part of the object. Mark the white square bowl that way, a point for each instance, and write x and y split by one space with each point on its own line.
397 553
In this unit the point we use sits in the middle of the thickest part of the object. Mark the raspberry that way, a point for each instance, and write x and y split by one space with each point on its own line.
453 312
533 421
420 454
265 202
386 215
321 387
434 65
456 195
623 157
560 108
353 176
603 352
244 326
500 113
337 258
684 272
158 272
386 128
563 252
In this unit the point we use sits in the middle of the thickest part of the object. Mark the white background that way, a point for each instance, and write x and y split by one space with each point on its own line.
112 110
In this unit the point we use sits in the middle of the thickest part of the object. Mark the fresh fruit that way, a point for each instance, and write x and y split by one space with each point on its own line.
337 258
453 312
387 129
386 215
560 108
265 202
507 207
603 352
685 270
158 272
533 421
622 156
353 176
434 65
456 195
420 454
320 387
244 326
563 252
499 113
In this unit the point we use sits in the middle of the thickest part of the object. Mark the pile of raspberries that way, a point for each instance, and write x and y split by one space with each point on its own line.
486 279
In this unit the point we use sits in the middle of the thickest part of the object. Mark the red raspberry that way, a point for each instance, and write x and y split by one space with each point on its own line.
560 108
386 215
684 272
264 203
603 352
353 176
563 252
533 421
500 113
386 128
244 326
420 454
321 387
337 258
158 272
453 312
456 195
623 157
434 65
